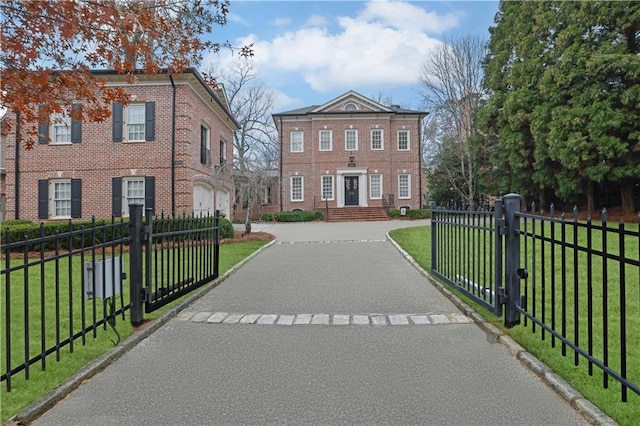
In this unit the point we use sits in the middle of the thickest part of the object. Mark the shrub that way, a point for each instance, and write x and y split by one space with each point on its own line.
298 216
419 213
394 213
226 228
266 217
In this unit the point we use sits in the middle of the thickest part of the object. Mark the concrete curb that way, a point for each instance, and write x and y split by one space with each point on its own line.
47 402
578 402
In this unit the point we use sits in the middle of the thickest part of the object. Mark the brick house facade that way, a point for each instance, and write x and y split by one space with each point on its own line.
351 151
170 149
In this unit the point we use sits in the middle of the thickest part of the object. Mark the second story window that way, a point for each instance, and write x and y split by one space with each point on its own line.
403 140
60 128
325 140
297 141
376 139
223 152
134 123
351 140
205 146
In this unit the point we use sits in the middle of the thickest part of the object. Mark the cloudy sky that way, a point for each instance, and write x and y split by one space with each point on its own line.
309 52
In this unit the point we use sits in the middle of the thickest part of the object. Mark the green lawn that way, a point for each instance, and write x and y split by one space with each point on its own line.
25 392
417 242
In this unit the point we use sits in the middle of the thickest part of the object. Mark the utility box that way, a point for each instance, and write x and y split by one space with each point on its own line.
403 211
107 276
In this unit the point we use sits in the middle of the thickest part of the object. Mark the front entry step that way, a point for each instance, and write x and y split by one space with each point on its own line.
356 214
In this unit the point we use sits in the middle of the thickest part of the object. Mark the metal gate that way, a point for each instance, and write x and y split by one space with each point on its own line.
582 292
181 254
467 252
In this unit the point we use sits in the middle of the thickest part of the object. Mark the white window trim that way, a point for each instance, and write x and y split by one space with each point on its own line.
381 140
59 120
223 152
301 189
345 139
125 198
125 127
408 140
408 186
370 186
330 133
52 198
301 141
333 191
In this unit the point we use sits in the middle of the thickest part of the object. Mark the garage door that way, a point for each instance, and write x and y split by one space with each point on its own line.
202 200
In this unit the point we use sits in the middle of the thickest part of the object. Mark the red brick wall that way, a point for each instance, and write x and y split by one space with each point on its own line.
312 163
97 159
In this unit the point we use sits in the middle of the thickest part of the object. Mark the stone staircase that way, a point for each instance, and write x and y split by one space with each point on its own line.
356 214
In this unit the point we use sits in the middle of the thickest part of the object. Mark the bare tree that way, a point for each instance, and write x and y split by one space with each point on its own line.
451 89
255 143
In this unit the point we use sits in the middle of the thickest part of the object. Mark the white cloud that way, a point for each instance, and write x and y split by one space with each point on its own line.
282 22
382 46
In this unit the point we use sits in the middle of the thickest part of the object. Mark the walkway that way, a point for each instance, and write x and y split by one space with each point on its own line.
331 325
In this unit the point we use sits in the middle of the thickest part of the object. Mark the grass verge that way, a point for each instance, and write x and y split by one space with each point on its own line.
417 242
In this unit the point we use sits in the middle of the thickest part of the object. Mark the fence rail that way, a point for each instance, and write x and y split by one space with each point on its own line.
573 282
60 289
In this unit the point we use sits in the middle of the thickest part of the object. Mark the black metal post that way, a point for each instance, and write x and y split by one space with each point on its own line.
434 219
135 263
216 245
512 259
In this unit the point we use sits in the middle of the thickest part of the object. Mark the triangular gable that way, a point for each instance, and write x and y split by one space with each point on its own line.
351 102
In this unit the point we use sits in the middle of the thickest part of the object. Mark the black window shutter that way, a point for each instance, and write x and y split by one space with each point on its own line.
116 196
117 122
43 199
76 126
76 198
150 194
150 121
43 128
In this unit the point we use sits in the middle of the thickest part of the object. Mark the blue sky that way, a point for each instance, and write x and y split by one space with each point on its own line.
309 52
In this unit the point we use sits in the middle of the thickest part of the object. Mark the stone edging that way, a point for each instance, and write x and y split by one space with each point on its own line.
578 402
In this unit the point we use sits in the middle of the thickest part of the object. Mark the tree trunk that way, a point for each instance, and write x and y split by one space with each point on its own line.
247 220
626 195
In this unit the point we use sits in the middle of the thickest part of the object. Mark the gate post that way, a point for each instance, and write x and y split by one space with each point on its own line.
512 259
434 220
216 245
135 263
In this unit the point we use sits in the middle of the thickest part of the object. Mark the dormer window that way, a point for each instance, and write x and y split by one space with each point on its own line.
350 106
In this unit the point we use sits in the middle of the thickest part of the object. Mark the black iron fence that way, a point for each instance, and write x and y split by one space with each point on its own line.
59 290
575 283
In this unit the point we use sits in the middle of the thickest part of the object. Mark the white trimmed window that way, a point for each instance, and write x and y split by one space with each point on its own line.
404 186
376 139
375 186
132 193
135 122
351 140
297 192
60 128
297 141
60 191
326 142
403 140
327 187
